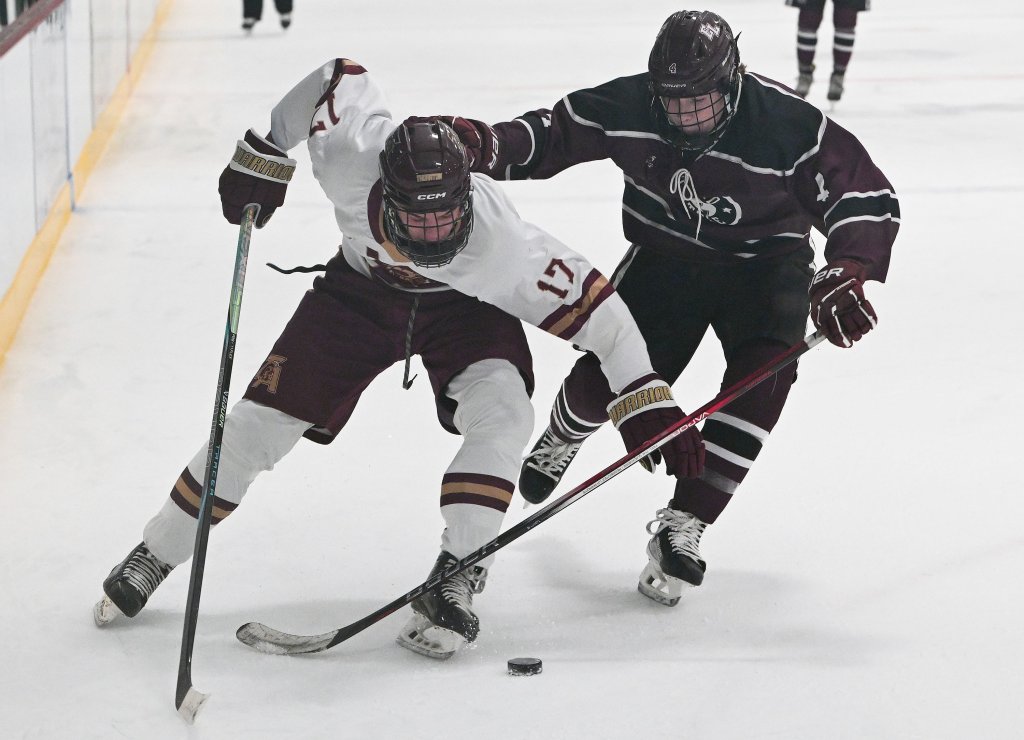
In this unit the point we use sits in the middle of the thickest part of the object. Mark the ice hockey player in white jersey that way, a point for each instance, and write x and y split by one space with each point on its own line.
436 262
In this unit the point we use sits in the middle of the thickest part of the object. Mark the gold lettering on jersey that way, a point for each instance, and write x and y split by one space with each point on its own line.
270 374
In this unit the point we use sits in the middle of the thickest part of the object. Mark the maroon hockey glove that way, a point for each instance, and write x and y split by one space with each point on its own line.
258 173
838 306
646 408
478 138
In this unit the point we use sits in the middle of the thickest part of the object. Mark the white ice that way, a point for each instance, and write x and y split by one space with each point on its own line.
865 583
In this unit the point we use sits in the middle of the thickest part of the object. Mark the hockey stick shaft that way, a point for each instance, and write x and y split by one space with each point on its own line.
270 640
187 699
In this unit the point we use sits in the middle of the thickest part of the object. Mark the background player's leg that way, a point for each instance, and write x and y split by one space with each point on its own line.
284 8
807 25
252 12
845 21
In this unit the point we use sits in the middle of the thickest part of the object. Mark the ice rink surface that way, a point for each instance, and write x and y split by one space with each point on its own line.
866 583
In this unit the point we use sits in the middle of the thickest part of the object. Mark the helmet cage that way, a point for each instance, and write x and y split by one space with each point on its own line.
424 171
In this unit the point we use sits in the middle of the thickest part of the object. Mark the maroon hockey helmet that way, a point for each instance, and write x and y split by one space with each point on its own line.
424 171
695 54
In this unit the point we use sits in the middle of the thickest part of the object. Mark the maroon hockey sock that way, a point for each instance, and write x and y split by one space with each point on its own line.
807 36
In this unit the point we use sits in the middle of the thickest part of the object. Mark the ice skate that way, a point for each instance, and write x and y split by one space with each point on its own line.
286 20
443 619
129 585
247 25
544 467
803 82
835 86
674 561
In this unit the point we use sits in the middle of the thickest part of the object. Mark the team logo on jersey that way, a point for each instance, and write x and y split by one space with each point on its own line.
397 275
721 209
270 374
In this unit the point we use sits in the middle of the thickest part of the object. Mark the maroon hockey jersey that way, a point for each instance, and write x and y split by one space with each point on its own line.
781 168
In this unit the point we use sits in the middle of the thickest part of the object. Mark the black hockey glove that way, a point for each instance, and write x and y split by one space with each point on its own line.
258 173
646 408
838 305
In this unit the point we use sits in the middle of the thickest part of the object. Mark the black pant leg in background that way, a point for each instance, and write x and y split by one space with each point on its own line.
252 9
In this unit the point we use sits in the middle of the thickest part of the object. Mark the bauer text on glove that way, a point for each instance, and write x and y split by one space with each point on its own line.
838 306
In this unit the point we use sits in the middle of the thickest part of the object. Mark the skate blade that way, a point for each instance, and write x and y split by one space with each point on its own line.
421 636
655 585
105 612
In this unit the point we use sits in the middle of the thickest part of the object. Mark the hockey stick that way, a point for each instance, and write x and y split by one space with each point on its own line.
187 700
269 640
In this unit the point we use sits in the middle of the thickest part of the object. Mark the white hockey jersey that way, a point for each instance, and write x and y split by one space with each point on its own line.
508 262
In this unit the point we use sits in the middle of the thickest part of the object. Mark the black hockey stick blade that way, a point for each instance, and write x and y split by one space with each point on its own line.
269 640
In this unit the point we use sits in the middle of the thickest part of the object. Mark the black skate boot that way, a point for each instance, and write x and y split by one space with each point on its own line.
130 584
803 82
247 25
674 561
835 86
443 619
544 467
286 20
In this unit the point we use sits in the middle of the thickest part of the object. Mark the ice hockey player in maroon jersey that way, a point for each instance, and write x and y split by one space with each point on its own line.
726 173
434 261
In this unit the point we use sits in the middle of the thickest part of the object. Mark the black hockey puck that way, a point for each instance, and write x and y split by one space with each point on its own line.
524 666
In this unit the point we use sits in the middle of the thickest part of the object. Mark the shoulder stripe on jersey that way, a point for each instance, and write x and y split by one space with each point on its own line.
767 170
629 134
765 83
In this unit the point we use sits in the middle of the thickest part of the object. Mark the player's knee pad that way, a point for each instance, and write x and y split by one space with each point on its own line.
493 403
257 436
